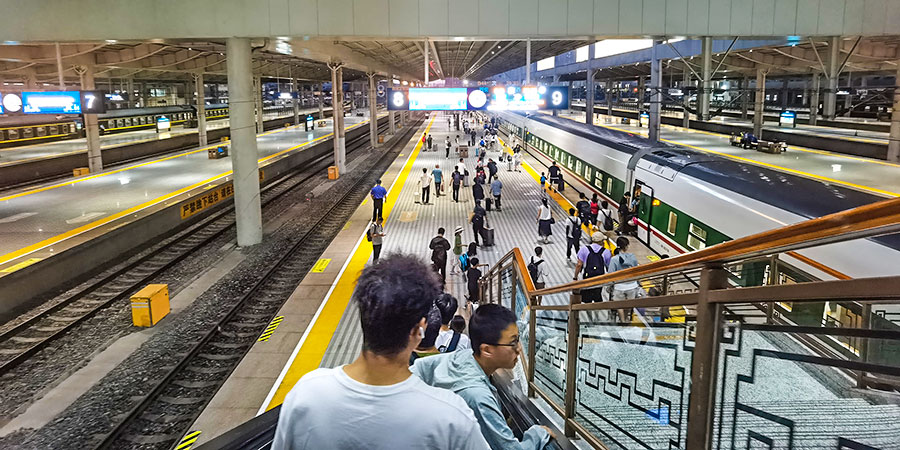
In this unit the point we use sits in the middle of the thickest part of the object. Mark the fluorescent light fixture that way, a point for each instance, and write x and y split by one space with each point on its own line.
609 47
546 63
459 38
583 53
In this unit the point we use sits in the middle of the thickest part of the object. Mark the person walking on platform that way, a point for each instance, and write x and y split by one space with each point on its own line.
425 186
630 289
496 190
593 260
517 161
377 193
584 210
429 141
477 220
375 234
447 147
438 176
624 211
573 233
471 137
605 216
477 190
595 210
455 183
544 219
492 168
323 409
457 249
439 247
554 174
461 167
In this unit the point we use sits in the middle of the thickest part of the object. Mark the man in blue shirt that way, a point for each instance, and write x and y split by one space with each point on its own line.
496 189
378 193
438 179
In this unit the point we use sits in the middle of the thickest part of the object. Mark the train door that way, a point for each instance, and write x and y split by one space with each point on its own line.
644 210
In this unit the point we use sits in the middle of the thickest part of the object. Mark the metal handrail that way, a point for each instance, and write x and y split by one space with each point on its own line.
714 294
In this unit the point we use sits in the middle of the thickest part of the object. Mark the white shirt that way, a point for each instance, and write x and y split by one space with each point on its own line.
328 409
544 212
425 181
461 167
445 336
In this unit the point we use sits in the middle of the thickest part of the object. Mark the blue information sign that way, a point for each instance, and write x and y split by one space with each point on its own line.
787 119
51 102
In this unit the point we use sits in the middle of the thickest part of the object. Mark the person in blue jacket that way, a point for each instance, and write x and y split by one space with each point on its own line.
495 345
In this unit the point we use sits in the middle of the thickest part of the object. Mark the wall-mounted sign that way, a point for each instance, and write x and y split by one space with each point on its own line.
163 124
644 119
92 102
787 119
51 102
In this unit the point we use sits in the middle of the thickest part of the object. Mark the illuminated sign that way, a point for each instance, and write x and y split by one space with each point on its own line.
645 119
438 99
51 102
478 98
787 118
92 102
163 124
398 100
497 98
528 98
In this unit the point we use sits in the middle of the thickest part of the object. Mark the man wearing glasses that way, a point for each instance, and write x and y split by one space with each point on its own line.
495 345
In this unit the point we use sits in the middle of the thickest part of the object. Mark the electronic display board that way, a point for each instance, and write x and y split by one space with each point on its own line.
93 102
51 102
438 99
496 98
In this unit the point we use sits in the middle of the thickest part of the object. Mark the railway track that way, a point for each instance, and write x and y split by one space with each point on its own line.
160 419
29 337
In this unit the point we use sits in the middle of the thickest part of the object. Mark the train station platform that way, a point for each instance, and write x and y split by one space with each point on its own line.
44 222
32 152
866 174
320 324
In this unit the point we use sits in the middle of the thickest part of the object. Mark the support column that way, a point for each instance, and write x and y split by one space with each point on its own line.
894 138
589 98
129 83
685 98
759 101
201 109
373 120
59 68
609 94
830 103
337 102
745 95
295 101
705 90
257 88
91 127
642 92
814 99
556 80
322 101
241 102
528 61
784 94
426 62
655 91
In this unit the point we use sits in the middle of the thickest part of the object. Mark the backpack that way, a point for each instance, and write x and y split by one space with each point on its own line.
464 262
576 227
451 347
369 233
533 269
593 266
607 221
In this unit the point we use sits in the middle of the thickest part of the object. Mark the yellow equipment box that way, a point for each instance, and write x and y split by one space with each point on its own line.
381 139
150 305
333 173
80 171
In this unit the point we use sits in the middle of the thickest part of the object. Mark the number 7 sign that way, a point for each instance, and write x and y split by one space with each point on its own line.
93 102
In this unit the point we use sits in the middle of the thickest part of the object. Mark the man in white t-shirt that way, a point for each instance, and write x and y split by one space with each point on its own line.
375 402
447 305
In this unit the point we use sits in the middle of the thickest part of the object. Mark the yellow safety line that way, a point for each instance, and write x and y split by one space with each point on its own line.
74 232
760 163
310 354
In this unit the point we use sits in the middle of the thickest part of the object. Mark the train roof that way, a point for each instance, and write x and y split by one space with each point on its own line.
803 196
130 112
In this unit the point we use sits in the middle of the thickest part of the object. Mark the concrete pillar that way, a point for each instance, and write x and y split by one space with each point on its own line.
894 138
744 85
814 99
337 101
609 95
129 83
59 68
321 100
705 91
830 103
373 120
392 124
31 79
295 101
257 88
685 98
759 101
91 128
242 101
426 62
528 61
201 109
655 91
785 100
589 98
642 92
556 80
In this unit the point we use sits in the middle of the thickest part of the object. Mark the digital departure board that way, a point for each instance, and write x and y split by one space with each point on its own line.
495 98
51 102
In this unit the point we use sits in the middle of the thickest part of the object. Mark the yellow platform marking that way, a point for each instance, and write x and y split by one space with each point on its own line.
21 265
347 225
321 265
188 441
82 229
310 350
267 333
771 166
653 258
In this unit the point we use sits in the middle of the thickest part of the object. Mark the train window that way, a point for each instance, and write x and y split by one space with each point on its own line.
41 131
27 132
673 219
587 172
609 185
54 130
696 237
577 166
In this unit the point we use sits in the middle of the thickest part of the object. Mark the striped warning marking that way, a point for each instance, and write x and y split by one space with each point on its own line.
270 329
188 441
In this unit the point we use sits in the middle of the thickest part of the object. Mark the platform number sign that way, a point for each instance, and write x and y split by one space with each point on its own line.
380 90
93 102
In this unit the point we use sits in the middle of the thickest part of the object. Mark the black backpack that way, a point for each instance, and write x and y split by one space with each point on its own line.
576 227
369 234
533 269
607 221
594 267
451 347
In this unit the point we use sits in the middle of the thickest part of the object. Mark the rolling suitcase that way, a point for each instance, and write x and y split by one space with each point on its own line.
487 237
488 203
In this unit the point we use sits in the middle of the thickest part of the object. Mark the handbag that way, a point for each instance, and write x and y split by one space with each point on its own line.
552 220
